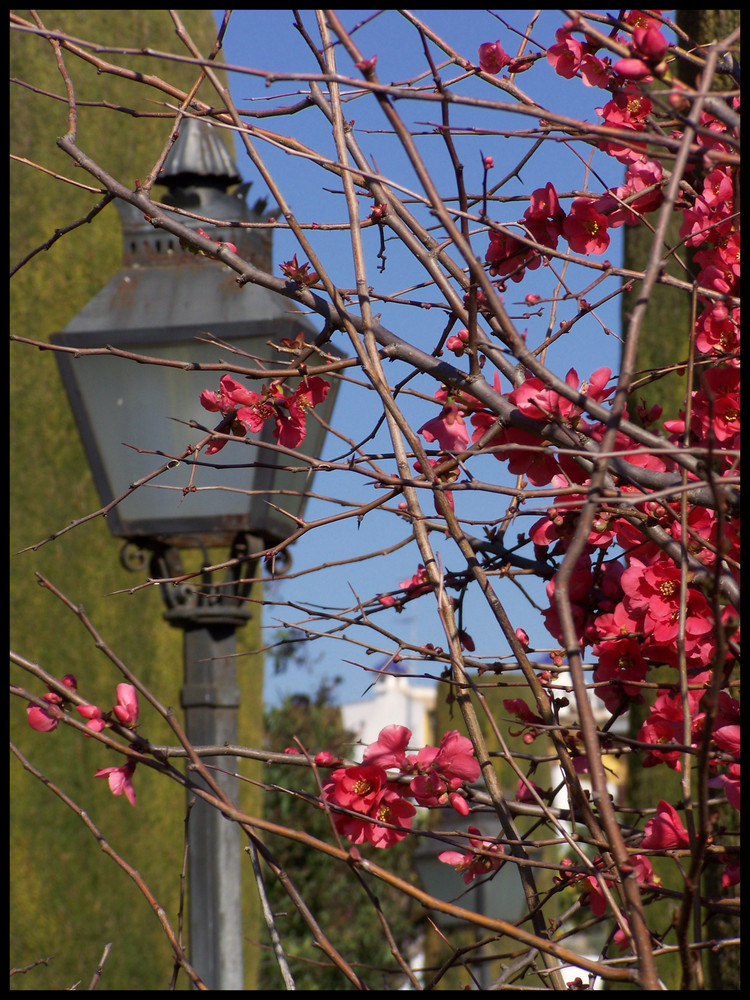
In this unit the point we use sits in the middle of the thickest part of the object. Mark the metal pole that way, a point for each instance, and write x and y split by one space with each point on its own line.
211 699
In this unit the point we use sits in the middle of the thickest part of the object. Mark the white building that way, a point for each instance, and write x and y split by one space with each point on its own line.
395 699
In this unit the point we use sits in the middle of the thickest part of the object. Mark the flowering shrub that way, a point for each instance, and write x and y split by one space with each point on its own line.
537 465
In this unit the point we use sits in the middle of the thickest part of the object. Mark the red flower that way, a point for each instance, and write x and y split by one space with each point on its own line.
455 757
665 830
508 256
389 748
620 661
356 788
492 57
253 409
544 216
365 790
391 808
565 55
290 412
448 429
585 228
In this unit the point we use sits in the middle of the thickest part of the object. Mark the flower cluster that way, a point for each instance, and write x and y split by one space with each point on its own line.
47 718
639 610
633 606
247 411
377 808
124 713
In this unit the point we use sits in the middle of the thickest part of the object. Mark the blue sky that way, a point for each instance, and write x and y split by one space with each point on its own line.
266 40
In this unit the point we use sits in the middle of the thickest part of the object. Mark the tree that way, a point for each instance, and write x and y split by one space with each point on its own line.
501 468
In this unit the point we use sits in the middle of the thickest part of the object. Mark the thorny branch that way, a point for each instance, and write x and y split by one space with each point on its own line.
669 497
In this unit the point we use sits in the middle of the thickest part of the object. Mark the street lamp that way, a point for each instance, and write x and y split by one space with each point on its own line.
166 303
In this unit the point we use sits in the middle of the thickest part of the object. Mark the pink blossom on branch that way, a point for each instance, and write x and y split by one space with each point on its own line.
45 719
565 55
484 857
126 709
120 780
492 57
389 750
585 228
252 409
665 831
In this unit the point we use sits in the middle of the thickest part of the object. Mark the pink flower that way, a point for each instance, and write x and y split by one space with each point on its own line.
389 748
565 55
626 111
253 409
638 177
633 69
665 830
46 719
595 72
483 858
458 342
492 57
448 429
585 228
96 721
523 637
418 584
126 709
357 788
290 412
731 785
459 803
650 43
120 780
455 757
392 808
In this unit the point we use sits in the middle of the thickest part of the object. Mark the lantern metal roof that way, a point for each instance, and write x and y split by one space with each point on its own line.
167 303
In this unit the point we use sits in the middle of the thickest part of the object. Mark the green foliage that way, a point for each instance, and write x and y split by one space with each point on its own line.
67 899
330 889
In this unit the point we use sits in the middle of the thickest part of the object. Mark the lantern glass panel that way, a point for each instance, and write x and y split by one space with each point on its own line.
134 417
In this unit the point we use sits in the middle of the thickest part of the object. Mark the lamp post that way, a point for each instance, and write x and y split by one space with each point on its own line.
168 304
